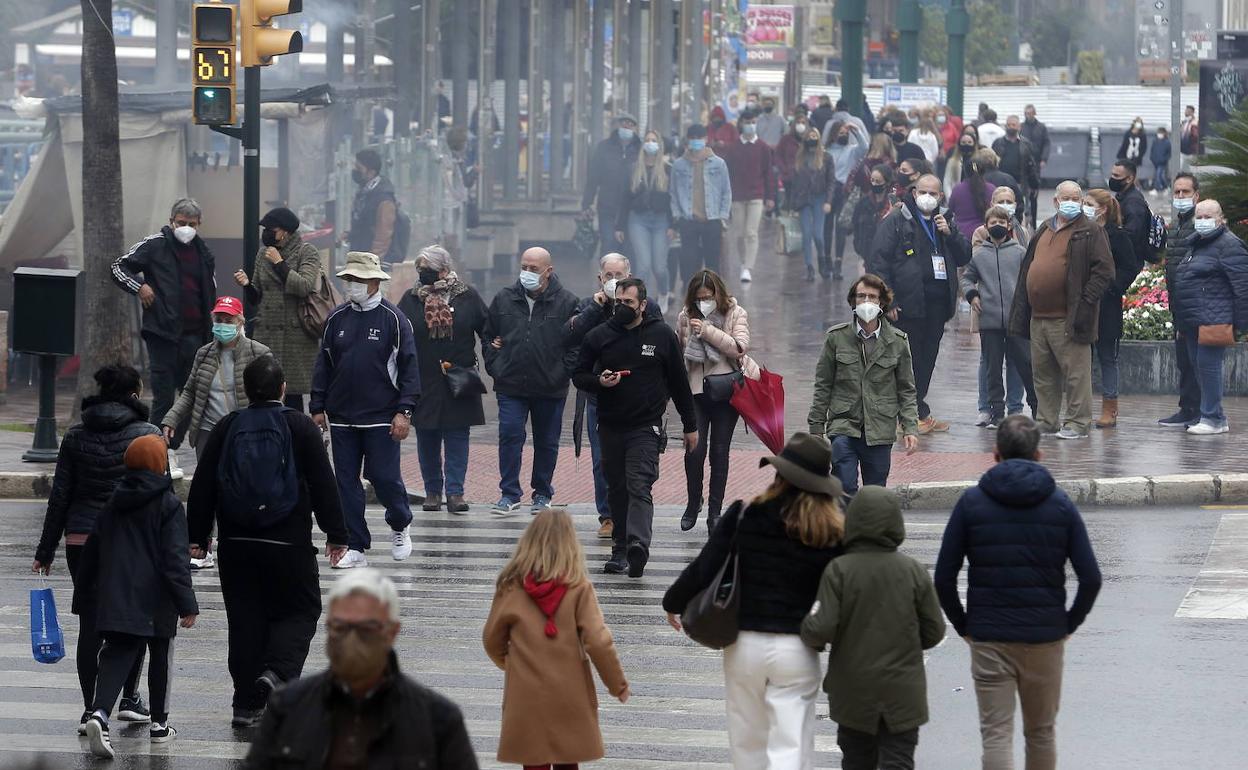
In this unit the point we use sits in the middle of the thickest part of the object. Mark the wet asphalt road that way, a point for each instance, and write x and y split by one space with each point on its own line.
1144 687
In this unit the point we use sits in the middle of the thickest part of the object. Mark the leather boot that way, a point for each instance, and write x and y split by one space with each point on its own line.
690 517
1109 413
712 515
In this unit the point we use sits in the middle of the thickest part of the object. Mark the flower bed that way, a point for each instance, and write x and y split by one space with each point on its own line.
1146 307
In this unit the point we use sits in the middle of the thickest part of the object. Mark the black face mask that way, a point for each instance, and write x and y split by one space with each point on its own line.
811 142
904 179
899 138
428 276
966 149
1011 132
269 237
879 189
624 315
842 140
998 232
768 109
357 176
1117 185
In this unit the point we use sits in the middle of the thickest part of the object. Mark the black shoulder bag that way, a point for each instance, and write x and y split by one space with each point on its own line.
711 618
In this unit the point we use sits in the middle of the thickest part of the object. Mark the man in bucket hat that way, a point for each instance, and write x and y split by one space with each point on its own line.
365 385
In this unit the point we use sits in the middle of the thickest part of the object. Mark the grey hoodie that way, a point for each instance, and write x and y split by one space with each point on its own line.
992 276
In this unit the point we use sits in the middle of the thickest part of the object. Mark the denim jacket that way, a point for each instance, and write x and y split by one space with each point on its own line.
718 188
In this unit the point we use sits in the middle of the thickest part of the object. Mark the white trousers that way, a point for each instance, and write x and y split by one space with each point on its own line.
747 217
772 683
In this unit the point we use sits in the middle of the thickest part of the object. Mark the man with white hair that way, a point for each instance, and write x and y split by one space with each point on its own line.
1057 305
173 273
375 714
593 311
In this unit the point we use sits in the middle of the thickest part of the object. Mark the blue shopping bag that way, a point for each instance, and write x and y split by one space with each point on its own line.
47 641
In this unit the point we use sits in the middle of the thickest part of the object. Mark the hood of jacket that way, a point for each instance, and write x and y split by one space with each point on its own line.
102 415
1018 483
873 521
547 595
137 489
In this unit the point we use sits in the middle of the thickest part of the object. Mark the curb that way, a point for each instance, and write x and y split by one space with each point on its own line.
1172 490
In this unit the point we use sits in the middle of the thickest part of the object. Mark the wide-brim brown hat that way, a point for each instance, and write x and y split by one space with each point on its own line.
806 463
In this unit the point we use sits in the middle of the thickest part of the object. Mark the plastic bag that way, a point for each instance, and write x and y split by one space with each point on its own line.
47 641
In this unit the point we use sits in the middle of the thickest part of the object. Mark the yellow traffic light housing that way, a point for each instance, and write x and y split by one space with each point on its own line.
212 61
261 40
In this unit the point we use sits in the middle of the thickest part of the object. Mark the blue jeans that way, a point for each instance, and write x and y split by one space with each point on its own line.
1013 386
373 449
1160 181
1207 361
595 452
849 454
647 235
811 217
429 448
547 416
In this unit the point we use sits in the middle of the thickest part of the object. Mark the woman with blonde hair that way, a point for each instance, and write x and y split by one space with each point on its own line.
1101 206
881 152
810 192
783 540
925 136
646 217
545 628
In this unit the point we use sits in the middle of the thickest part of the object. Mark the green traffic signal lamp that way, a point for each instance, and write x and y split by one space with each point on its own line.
213 71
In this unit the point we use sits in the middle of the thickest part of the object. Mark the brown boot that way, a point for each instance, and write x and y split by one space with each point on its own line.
1109 413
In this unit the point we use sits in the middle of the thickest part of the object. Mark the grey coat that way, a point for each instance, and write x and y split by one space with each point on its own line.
992 275
194 397
277 316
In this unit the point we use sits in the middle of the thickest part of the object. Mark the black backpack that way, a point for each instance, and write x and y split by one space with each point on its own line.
256 473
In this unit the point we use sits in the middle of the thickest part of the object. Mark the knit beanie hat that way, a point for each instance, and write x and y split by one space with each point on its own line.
147 453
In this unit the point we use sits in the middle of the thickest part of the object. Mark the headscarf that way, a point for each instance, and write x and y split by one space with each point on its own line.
697 351
439 318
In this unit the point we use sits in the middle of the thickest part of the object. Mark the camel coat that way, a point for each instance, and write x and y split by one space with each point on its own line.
550 701
733 342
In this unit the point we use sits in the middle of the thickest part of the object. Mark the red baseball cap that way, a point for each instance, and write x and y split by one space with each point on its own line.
229 306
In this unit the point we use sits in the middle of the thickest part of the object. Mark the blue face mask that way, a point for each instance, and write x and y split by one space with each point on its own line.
1183 205
697 145
1205 226
529 280
225 333
1069 209
626 134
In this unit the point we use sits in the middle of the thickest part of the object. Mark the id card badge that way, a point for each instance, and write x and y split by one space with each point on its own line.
938 268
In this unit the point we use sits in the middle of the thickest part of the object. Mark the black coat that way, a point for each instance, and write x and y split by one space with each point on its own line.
137 561
418 728
1038 134
318 491
1179 234
902 255
89 467
1126 145
1028 164
610 169
1137 218
1127 264
779 575
437 409
1213 282
536 360
155 259
1017 530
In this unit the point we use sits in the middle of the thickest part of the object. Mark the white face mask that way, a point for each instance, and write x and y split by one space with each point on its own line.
867 311
356 292
608 288
185 234
529 280
926 202
707 306
800 129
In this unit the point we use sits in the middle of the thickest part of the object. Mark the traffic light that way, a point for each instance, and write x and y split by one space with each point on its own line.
261 40
212 56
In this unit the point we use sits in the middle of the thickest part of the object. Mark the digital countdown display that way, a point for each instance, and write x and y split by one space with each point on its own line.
213 66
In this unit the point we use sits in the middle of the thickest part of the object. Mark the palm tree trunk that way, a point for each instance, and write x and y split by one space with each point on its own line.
107 327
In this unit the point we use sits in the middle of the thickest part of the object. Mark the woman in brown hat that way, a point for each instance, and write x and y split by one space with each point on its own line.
784 539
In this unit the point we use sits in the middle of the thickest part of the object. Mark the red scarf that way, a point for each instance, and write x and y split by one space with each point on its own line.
548 596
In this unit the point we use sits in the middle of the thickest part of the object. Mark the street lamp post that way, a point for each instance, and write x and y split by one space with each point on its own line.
909 21
852 14
957 25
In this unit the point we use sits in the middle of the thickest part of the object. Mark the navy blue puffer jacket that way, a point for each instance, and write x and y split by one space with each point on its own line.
1212 282
1017 530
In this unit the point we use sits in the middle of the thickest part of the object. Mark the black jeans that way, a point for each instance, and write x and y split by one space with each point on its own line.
833 232
716 422
925 336
1033 198
1000 348
631 459
700 244
117 658
1189 385
884 750
88 649
170 364
272 599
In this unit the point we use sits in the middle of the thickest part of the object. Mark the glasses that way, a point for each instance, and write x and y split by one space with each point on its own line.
363 628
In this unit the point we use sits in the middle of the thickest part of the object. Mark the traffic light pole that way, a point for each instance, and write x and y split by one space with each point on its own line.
251 173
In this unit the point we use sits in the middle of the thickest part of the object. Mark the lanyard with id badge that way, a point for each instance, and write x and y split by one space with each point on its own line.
939 269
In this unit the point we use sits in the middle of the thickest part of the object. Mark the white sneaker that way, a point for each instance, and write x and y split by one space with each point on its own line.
402 545
351 560
208 562
175 470
1208 428
983 419
745 275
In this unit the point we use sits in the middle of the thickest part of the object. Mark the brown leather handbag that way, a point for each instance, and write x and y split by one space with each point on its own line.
1217 335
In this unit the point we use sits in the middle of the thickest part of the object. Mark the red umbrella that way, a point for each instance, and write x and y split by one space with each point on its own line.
761 404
